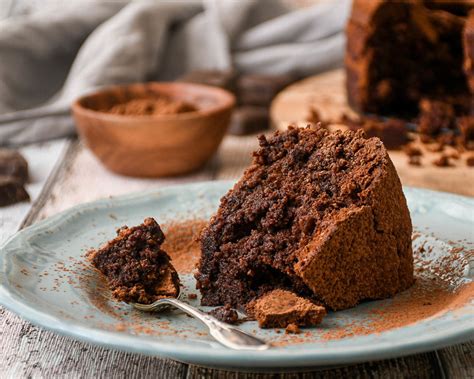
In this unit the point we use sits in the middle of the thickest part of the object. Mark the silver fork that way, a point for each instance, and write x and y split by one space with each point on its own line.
226 334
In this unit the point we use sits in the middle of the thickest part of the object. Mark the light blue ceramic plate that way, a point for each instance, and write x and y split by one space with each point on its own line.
44 280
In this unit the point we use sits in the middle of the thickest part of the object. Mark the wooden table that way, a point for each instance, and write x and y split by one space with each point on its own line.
71 175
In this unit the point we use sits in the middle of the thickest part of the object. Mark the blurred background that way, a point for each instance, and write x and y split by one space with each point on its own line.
209 76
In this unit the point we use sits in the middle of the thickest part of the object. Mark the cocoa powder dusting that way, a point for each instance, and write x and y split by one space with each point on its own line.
182 243
441 286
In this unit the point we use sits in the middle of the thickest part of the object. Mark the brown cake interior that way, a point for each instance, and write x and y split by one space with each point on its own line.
300 183
136 268
409 52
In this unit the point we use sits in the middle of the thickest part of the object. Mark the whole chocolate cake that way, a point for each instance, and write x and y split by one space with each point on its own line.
399 52
469 50
319 214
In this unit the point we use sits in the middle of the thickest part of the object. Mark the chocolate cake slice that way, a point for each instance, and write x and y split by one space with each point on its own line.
136 268
320 214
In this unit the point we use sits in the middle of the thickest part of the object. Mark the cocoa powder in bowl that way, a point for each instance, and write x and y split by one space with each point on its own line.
152 105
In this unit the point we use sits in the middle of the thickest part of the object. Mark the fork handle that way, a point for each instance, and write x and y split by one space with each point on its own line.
227 335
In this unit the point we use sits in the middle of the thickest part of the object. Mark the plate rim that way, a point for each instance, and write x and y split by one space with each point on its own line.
208 355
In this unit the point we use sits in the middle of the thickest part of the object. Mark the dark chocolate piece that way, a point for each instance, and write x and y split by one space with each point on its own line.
12 191
12 163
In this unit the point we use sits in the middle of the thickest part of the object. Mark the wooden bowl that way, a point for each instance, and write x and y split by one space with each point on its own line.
157 145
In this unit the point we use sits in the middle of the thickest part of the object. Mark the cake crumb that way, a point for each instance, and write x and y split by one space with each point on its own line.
442 161
281 308
414 155
136 268
192 296
292 329
225 314
470 160
435 148
315 118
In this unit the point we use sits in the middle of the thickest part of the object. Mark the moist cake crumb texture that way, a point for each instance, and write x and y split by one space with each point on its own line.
280 309
226 314
319 214
136 268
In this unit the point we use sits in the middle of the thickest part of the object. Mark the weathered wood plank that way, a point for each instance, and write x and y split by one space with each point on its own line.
84 179
30 352
42 159
415 366
458 360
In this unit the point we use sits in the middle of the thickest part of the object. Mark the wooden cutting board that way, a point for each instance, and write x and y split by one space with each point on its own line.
327 94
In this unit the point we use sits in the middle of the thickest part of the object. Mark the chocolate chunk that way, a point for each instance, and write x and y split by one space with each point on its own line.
255 89
12 191
12 163
249 120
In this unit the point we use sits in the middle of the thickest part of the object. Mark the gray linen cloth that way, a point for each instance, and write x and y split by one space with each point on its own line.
51 56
